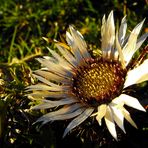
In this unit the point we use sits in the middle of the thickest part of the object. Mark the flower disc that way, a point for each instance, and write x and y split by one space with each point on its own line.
99 81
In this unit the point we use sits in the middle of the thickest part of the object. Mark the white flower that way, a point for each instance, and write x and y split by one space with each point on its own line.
81 86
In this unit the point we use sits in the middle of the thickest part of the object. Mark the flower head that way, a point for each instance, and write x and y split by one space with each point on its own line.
82 86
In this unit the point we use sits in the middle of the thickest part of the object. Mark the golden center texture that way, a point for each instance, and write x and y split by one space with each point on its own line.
99 81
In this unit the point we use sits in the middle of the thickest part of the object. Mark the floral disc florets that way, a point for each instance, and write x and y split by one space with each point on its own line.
99 81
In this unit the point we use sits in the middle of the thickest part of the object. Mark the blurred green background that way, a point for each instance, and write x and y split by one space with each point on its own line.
23 23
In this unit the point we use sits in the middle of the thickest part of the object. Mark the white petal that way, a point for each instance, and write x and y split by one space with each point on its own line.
80 42
78 120
132 102
141 40
122 30
68 115
38 87
67 55
101 113
130 47
110 122
51 59
50 104
45 81
62 62
103 29
137 75
121 56
51 76
69 38
108 35
63 111
54 67
128 117
74 47
53 86
118 117
47 94
46 87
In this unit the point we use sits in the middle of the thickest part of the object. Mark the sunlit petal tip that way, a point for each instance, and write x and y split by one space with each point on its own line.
110 20
99 120
138 28
121 56
111 15
110 123
123 129
118 117
124 19
122 30
101 113
46 39
55 40
141 108
132 102
69 38
132 45
128 118
103 20
111 128
71 27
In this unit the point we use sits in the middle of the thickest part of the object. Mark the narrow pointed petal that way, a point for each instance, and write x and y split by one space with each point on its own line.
38 87
54 86
67 115
122 30
128 117
51 76
74 47
50 104
63 111
103 29
141 40
132 102
51 59
137 75
101 113
80 42
130 47
45 81
78 120
54 67
108 35
110 122
69 39
46 87
62 62
47 94
118 117
121 56
67 55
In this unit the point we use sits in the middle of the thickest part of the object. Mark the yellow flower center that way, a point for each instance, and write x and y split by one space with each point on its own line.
99 81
